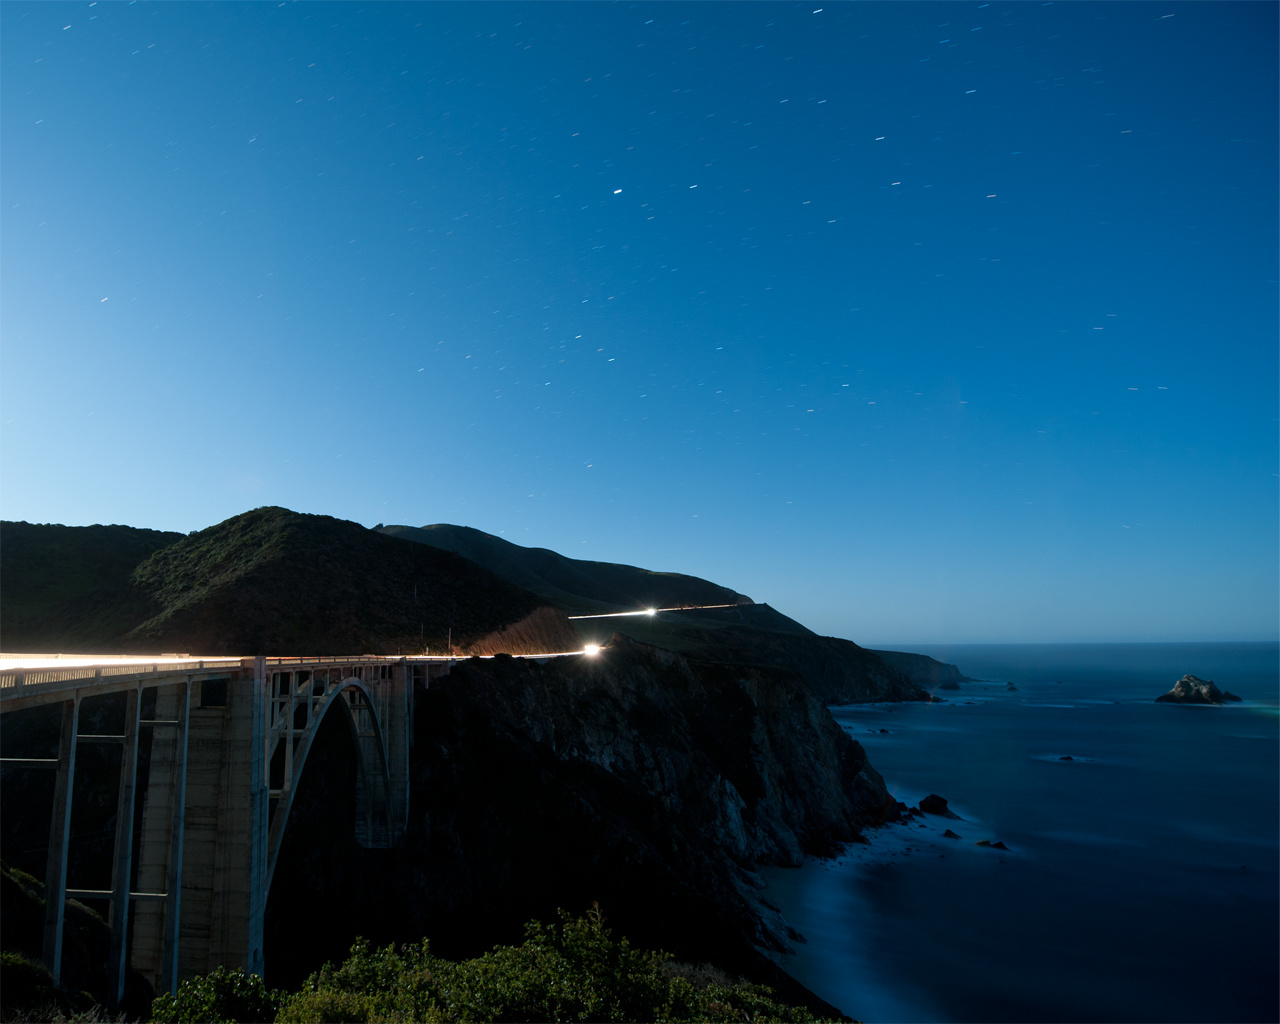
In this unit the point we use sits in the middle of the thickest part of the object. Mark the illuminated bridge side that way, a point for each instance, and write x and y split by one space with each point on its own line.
229 740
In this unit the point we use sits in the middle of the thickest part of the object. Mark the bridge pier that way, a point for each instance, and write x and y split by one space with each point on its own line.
55 885
122 859
203 834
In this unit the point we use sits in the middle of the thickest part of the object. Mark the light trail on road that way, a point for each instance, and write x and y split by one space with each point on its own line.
654 611
145 662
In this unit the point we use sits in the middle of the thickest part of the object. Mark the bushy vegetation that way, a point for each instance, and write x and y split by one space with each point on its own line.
571 971
223 997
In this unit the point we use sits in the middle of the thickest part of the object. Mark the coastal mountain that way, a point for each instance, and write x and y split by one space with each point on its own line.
273 581
270 581
744 633
655 778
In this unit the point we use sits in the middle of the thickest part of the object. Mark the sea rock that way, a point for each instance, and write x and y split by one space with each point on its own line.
1193 690
1010 687
948 834
998 846
1066 757
934 804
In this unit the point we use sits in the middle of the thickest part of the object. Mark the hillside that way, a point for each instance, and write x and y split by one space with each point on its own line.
44 567
839 671
272 581
578 586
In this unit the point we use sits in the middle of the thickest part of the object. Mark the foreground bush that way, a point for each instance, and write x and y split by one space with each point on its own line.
573 971
223 997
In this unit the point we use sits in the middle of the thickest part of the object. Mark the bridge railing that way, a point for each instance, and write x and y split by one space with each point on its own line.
35 681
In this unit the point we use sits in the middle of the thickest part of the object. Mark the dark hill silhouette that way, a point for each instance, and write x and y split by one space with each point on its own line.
44 567
574 584
751 634
272 581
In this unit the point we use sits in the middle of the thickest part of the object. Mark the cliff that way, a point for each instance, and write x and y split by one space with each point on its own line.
642 779
923 670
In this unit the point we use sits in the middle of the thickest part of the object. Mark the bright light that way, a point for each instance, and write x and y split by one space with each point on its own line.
653 611
591 650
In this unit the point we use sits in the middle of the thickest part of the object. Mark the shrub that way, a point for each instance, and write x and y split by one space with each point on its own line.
223 997
573 971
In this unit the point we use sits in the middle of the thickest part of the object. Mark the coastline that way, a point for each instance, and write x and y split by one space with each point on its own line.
1112 855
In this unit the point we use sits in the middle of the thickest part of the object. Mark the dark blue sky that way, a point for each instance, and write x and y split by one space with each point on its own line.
922 322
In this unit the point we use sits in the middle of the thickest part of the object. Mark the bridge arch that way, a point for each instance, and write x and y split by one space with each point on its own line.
211 811
352 700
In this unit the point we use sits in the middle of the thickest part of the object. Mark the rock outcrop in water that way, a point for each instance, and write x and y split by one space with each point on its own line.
1193 690
934 804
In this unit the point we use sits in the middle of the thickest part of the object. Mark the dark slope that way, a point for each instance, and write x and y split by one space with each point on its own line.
272 581
44 567
839 671
573 584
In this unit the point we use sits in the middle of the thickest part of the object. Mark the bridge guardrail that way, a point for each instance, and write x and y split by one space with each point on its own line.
25 678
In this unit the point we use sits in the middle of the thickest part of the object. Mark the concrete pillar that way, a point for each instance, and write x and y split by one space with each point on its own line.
161 846
122 863
259 821
177 828
55 875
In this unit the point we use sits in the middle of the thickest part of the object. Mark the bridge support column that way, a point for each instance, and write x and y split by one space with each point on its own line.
397 723
122 864
259 822
204 833
177 843
55 875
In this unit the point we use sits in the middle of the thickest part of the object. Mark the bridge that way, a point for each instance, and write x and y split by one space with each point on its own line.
228 741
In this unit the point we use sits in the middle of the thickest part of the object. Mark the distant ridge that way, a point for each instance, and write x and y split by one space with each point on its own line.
575 584
838 671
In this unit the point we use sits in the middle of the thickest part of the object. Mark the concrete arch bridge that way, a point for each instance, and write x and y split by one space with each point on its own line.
228 742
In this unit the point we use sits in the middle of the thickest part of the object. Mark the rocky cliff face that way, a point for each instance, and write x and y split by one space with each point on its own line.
640 779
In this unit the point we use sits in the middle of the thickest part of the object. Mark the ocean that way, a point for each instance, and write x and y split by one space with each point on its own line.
1142 876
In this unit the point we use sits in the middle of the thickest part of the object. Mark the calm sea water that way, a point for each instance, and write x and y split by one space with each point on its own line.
1141 881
